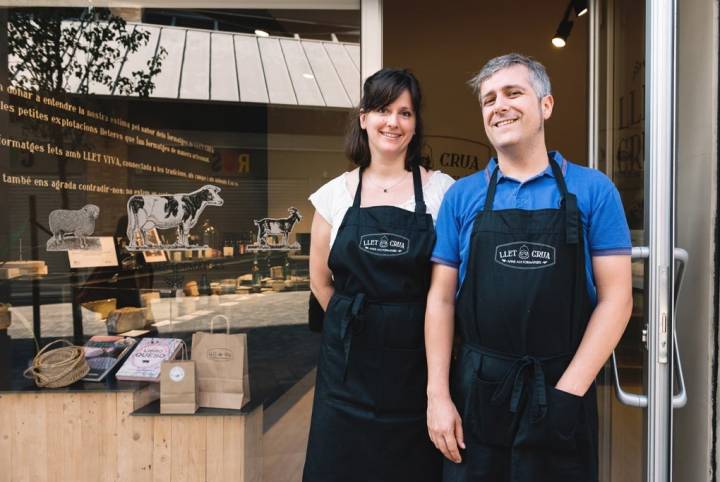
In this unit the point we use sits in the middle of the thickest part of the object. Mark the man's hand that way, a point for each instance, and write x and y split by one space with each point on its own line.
443 420
445 427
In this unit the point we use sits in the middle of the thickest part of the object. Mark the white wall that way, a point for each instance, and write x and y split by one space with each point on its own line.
696 218
444 44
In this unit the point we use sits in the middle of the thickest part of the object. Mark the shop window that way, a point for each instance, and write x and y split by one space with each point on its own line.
161 160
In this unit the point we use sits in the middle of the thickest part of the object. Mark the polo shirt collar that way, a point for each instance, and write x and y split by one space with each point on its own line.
547 172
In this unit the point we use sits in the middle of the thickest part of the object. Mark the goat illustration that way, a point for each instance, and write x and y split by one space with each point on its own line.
279 227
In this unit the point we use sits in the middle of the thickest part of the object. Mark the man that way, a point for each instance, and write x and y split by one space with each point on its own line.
540 249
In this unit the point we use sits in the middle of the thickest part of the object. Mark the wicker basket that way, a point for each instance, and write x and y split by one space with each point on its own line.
58 367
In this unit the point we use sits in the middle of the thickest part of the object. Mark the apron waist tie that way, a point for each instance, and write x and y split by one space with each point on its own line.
351 322
513 384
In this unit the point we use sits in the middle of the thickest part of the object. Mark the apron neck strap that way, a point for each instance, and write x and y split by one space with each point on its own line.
572 223
569 200
490 196
420 206
559 178
356 201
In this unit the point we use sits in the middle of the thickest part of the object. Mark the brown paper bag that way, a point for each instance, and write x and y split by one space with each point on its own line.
178 387
222 367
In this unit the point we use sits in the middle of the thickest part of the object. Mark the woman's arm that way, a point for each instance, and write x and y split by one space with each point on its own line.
320 275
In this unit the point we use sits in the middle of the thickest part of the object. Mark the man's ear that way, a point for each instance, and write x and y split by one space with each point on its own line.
546 105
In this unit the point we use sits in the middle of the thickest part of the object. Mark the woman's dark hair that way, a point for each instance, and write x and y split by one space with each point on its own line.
380 90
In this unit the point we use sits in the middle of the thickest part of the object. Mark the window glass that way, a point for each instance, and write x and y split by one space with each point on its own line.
159 161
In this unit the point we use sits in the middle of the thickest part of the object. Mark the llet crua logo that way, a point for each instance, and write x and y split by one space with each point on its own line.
525 255
384 244
219 354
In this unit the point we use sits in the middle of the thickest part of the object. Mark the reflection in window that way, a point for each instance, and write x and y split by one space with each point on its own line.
156 165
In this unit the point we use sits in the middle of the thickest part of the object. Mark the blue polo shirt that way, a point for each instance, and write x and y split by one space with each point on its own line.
605 227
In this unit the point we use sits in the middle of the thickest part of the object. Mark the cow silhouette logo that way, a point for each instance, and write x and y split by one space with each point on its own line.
175 211
273 233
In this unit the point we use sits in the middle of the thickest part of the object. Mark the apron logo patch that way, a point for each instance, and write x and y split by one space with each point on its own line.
525 255
384 244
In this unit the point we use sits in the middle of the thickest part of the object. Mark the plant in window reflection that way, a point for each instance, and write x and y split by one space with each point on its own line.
51 50
49 47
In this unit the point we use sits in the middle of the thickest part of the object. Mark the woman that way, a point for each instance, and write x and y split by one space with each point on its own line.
372 236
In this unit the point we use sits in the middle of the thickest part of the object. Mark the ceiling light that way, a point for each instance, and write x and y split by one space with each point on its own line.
581 7
308 76
562 34
261 33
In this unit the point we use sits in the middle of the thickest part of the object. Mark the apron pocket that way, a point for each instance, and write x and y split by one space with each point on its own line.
556 431
403 325
404 381
490 423
331 323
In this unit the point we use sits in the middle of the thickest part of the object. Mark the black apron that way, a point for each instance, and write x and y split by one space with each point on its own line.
521 313
369 413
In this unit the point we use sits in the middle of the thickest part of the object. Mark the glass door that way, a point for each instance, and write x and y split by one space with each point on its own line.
632 69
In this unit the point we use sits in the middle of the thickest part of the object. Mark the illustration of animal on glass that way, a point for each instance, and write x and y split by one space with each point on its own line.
175 211
72 228
273 233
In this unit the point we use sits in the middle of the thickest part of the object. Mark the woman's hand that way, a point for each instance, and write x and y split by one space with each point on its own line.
445 427
320 274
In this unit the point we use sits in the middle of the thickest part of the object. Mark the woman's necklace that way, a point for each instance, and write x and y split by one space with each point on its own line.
385 189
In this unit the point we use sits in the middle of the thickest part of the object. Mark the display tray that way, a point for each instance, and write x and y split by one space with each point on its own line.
15 356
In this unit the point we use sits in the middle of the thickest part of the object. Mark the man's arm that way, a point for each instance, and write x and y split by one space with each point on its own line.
320 274
443 420
613 279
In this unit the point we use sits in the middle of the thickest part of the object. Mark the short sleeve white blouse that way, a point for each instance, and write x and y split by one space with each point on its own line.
333 199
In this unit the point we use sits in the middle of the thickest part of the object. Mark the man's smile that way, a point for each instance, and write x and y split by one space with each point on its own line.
504 122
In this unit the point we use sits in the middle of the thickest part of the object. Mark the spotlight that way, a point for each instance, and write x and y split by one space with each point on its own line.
261 33
581 7
562 34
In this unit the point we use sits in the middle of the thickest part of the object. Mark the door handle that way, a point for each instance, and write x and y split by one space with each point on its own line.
637 399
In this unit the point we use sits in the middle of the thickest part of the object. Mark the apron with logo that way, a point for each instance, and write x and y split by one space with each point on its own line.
521 313
369 413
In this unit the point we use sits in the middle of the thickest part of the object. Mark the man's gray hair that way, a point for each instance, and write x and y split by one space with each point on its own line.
538 76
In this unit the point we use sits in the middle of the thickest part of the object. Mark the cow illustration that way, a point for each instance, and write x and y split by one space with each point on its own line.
179 211
279 227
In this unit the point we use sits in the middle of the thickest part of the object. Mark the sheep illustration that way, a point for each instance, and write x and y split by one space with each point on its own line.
78 224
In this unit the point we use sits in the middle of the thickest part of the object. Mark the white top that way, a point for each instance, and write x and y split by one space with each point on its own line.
333 199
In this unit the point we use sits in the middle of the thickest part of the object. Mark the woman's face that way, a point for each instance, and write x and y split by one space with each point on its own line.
390 129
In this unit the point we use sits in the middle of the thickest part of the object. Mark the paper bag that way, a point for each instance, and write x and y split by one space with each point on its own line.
222 368
178 387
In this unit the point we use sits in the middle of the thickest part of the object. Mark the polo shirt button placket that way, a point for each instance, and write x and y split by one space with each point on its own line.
520 197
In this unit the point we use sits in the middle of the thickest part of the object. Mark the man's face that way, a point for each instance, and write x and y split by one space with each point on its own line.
512 112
